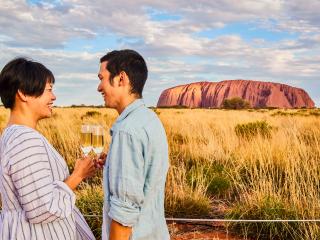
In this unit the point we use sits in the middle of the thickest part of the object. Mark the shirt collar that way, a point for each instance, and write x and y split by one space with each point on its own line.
129 109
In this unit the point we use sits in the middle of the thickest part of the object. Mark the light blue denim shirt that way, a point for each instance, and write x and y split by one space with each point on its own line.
135 174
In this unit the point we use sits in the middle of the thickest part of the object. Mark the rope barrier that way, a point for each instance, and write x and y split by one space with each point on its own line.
228 220
240 220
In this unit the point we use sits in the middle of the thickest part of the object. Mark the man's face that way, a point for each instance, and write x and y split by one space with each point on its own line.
108 91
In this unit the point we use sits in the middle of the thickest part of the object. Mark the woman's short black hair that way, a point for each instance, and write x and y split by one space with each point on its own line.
25 75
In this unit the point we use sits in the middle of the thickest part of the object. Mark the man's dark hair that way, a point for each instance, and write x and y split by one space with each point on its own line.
25 75
132 63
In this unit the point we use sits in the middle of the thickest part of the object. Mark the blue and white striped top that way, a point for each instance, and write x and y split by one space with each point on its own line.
36 203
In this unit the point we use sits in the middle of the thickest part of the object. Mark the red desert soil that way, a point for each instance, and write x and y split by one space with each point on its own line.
200 232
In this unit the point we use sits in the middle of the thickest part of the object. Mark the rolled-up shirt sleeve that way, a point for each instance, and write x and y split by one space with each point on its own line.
126 178
42 198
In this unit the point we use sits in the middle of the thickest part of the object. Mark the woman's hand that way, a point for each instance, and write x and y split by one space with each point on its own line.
83 169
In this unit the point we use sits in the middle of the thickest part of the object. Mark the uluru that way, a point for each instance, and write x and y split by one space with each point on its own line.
212 94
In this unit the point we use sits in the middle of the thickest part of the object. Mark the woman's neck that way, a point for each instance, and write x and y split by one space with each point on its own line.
22 118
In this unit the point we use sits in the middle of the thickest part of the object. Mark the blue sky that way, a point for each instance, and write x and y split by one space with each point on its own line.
182 41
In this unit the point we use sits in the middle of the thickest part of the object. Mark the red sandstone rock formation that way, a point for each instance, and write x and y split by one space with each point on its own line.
258 94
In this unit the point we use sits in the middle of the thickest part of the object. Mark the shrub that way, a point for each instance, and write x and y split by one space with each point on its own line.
91 114
268 208
315 113
214 176
179 138
156 111
183 200
235 103
174 106
249 130
301 112
55 115
218 185
271 108
188 206
279 113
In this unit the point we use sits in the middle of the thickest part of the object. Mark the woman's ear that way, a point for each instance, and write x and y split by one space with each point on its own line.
21 96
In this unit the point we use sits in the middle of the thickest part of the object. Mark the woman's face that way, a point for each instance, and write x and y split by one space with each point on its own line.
42 106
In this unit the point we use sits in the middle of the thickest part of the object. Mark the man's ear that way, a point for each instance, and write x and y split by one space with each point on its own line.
123 78
21 96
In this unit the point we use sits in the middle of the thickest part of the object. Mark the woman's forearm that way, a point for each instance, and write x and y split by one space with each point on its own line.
83 168
73 181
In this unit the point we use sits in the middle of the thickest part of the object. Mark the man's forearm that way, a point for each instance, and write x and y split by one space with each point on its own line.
119 232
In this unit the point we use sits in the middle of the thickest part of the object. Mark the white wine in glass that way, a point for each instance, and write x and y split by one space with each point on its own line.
97 139
86 141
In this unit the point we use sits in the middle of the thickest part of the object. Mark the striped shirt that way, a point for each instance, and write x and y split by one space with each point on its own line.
36 203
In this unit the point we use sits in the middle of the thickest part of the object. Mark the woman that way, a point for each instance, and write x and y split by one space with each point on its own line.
38 201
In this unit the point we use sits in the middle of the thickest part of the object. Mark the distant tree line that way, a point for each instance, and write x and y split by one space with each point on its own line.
86 106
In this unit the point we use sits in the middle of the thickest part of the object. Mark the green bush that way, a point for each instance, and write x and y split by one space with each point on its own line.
218 185
174 106
216 178
252 129
156 111
291 114
179 138
91 114
188 207
235 103
315 113
272 108
268 208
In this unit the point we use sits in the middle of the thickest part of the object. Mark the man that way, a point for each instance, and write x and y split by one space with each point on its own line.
137 162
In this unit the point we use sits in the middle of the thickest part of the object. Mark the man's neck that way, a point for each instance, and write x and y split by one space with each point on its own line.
126 102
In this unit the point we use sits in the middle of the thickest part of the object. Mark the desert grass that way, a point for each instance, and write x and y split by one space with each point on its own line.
258 164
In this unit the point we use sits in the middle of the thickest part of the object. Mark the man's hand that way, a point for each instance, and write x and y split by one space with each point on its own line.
119 232
100 161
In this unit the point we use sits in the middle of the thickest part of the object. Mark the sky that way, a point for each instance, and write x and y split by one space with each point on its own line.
181 41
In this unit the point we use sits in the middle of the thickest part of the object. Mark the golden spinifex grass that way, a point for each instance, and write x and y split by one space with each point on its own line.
249 164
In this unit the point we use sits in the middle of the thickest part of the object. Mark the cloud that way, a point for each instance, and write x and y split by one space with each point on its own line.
131 19
37 25
175 51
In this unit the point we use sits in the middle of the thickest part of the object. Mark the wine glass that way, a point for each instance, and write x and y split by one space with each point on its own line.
97 139
86 139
